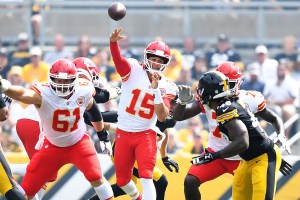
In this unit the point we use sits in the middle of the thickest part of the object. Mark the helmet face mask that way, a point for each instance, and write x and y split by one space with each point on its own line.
156 49
213 85
62 77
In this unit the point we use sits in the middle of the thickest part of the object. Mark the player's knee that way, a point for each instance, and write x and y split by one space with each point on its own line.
162 182
191 182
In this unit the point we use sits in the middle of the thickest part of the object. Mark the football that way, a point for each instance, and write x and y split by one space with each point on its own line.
117 11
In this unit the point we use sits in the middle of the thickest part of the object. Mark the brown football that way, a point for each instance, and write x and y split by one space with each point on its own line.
117 11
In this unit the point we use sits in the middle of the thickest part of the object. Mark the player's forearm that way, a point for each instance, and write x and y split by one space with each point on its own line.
163 148
161 111
22 94
178 113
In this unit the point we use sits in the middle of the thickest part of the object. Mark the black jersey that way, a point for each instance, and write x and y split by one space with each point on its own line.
259 143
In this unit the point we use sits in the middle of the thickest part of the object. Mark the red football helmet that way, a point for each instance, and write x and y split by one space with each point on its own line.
86 68
157 49
233 72
62 77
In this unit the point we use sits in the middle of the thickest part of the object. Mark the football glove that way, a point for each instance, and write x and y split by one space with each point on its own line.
207 157
114 92
4 84
6 99
103 135
285 168
281 141
168 162
106 148
185 95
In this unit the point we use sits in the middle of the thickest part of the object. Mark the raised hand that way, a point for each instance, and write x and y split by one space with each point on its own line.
115 35
185 94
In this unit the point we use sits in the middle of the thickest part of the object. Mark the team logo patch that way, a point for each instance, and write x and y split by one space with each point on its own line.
80 100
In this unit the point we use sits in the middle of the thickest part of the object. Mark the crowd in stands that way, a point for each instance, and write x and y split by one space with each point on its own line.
277 77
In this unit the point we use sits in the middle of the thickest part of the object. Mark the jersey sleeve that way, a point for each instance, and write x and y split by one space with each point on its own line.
226 112
37 87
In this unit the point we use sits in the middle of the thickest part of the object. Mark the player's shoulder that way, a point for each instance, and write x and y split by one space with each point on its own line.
227 111
250 94
40 87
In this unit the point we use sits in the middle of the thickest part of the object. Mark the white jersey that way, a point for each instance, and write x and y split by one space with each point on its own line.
216 139
30 112
62 119
136 107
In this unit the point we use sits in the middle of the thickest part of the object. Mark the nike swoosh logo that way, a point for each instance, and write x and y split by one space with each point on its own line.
224 110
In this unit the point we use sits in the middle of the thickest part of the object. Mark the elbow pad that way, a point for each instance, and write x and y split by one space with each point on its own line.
94 113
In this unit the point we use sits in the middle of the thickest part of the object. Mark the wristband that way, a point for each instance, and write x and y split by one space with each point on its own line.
181 102
157 96
5 85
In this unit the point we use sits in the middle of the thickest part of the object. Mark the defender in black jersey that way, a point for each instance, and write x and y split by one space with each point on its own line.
256 176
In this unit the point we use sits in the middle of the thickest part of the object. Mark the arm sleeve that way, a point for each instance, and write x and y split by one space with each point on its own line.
122 65
101 95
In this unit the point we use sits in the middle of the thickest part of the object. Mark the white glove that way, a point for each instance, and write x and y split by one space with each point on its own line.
281 141
4 84
106 148
185 95
114 92
6 99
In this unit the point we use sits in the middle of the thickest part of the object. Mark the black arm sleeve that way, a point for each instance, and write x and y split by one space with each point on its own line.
108 116
94 113
169 123
101 95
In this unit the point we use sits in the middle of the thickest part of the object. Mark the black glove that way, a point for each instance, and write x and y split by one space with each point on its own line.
168 162
285 168
168 123
103 135
207 157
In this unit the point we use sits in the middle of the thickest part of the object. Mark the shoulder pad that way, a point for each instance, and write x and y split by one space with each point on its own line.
226 112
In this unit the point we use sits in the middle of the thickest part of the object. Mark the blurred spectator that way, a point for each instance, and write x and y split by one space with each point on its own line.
36 19
281 94
289 50
266 65
199 142
107 72
36 70
84 48
199 67
185 135
189 52
222 52
185 77
172 71
21 55
4 67
15 75
252 81
173 144
59 52
126 50
295 72
9 144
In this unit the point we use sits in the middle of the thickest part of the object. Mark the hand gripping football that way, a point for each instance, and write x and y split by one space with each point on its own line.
117 11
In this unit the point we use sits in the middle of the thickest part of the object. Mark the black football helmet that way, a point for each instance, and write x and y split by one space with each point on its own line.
213 85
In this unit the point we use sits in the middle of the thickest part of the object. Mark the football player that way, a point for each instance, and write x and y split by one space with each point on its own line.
217 140
141 105
60 108
256 175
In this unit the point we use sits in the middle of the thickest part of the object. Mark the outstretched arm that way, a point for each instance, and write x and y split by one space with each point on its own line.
20 93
